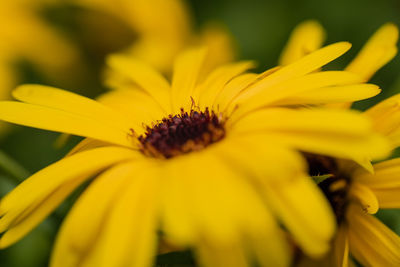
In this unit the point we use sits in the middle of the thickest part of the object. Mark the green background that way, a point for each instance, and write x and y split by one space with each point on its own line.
261 29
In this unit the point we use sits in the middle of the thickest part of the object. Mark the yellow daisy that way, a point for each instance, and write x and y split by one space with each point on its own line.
204 161
355 192
162 29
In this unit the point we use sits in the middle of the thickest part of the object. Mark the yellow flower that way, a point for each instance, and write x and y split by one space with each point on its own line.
208 162
162 29
362 235
355 192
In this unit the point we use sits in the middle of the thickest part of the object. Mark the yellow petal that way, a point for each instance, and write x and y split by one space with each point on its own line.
371 242
383 108
378 51
338 256
80 231
341 247
80 228
385 117
365 197
69 102
269 172
86 144
94 160
247 154
137 106
268 244
37 212
145 77
338 133
60 121
217 202
187 70
385 176
365 163
305 65
130 228
320 81
176 210
232 89
336 94
305 212
353 165
271 249
216 81
307 37
335 145
388 197
49 183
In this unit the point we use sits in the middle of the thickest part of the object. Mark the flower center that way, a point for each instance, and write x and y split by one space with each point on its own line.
335 187
182 133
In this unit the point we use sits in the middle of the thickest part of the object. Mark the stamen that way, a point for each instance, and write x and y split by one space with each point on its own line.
182 133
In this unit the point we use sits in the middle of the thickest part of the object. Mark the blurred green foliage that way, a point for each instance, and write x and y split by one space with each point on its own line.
261 28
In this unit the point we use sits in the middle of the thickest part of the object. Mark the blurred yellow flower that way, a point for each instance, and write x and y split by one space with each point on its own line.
25 35
163 28
206 161
355 192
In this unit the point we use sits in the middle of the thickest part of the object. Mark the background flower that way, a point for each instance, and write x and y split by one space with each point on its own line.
350 194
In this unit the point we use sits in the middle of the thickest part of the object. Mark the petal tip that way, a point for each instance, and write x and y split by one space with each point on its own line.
346 45
392 30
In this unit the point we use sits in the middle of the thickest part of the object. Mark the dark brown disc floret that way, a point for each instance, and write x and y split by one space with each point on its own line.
336 187
182 133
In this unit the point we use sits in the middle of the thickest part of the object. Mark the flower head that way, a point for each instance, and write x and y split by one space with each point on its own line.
357 190
206 161
363 194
